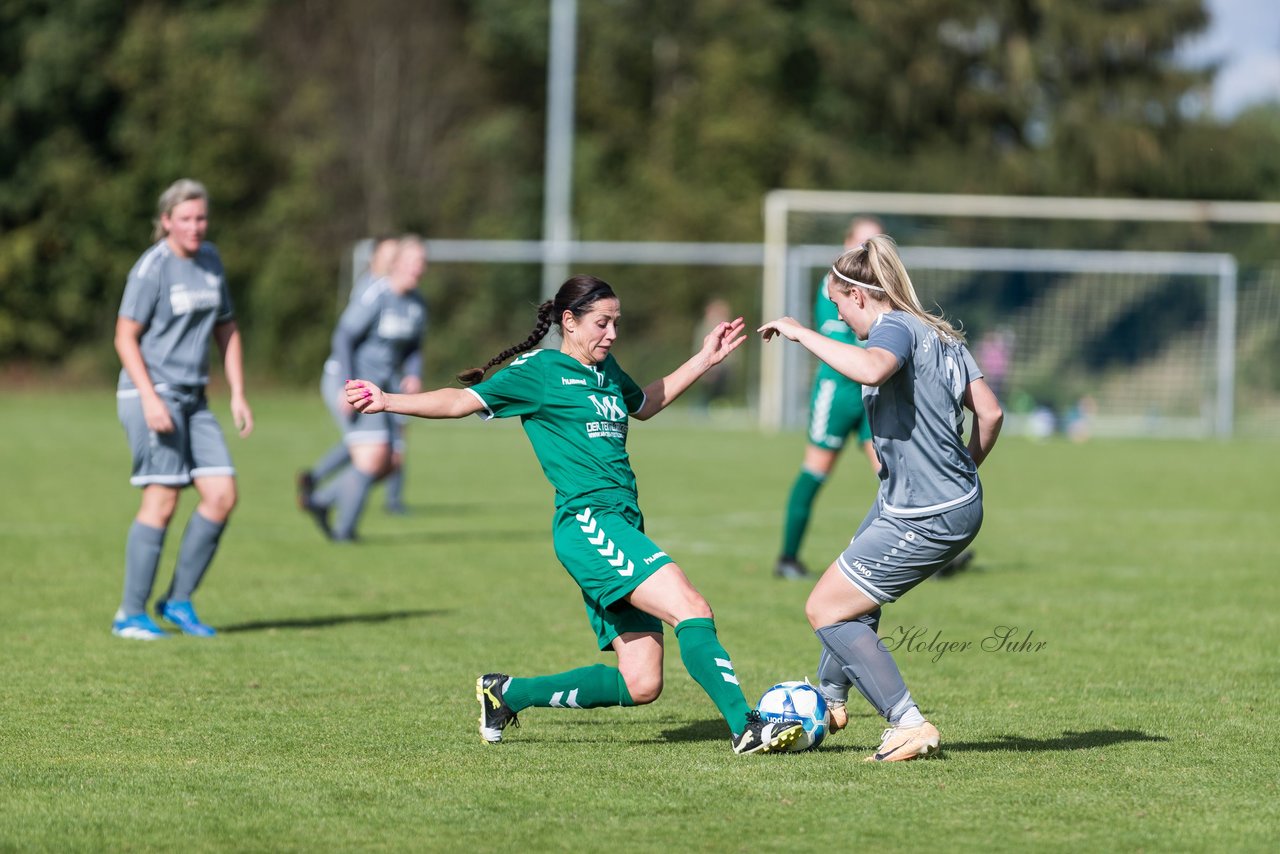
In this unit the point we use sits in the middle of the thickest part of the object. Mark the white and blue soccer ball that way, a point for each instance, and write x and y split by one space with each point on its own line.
797 701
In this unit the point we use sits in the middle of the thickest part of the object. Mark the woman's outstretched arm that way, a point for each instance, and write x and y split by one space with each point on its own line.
719 343
366 397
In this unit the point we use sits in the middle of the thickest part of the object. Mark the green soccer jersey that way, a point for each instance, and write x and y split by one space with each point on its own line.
575 416
826 319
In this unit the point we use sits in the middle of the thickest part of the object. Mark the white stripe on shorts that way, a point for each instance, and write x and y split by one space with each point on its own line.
160 480
821 417
367 437
214 471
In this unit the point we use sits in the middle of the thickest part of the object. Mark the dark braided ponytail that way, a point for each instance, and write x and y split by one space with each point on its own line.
471 376
576 296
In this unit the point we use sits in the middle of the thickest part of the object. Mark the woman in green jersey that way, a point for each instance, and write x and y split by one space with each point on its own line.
575 404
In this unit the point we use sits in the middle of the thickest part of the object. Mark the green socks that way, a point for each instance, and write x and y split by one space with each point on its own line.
799 505
599 685
710 667
583 688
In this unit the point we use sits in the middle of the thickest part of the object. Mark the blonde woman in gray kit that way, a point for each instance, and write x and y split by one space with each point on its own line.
918 378
175 301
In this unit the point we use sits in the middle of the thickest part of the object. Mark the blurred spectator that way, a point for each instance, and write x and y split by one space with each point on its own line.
1079 421
994 354
715 382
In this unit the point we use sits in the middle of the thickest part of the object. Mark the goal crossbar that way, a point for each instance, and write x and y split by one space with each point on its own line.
779 260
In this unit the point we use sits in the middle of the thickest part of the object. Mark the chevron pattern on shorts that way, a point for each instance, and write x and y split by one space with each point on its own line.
605 546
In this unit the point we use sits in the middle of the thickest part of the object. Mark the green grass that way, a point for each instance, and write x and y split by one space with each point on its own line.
336 711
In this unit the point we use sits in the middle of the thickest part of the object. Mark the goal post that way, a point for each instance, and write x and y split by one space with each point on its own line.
1060 293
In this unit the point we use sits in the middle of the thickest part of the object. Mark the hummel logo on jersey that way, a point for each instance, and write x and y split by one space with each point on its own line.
607 407
651 558
572 381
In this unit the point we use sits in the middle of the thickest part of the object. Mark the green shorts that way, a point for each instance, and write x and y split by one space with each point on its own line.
605 550
836 411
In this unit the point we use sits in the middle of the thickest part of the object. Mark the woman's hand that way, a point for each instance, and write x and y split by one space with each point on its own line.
366 397
156 413
242 415
787 327
723 340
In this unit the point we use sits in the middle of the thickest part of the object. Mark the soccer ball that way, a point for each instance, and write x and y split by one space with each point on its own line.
797 701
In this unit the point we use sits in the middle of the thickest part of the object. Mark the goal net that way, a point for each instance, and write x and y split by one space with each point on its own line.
1085 321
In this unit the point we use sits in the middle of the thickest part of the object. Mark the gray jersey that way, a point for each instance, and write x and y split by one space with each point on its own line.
362 284
917 419
380 335
178 301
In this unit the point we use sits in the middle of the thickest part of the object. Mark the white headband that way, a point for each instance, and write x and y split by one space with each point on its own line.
845 278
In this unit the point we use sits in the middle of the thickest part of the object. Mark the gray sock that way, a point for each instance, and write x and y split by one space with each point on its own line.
833 682
866 663
141 557
395 487
327 495
199 542
332 462
353 489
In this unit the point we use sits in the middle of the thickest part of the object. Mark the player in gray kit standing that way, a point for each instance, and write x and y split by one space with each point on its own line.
175 301
379 336
917 377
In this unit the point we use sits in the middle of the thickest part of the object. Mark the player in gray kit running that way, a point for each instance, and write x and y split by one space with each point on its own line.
337 458
174 301
917 377
379 336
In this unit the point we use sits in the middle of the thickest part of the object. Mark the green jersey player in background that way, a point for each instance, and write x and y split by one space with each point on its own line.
575 404
836 413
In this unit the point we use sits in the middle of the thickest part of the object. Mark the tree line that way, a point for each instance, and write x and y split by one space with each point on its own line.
315 123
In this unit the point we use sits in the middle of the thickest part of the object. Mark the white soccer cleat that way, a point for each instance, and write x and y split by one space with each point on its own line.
901 743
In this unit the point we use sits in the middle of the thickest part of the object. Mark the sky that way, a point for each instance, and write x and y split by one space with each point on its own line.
1245 34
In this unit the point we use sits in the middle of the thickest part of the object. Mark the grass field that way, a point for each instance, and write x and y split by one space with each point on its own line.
336 709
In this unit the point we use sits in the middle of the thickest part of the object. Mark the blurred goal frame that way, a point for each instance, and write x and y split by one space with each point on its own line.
785 287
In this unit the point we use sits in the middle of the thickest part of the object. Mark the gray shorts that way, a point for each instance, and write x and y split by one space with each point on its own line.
890 554
195 448
357 429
